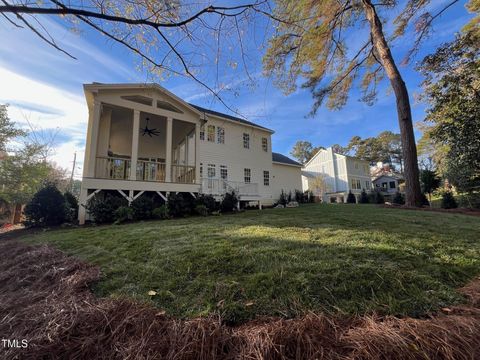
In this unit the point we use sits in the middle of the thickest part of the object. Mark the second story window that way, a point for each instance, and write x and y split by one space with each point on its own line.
211 133
266 178
202 133
265 144
211 171
246 141
356 184
220 135
247 176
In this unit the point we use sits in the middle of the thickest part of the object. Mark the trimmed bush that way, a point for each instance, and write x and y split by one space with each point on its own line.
299 197
123 214
47 207
229 202
448 201
283 198
201 210
103 209
208 201
71 207
142 208
363 198
180 205
161 212
351 198
398 199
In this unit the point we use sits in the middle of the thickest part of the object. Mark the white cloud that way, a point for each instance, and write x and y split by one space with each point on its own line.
47 107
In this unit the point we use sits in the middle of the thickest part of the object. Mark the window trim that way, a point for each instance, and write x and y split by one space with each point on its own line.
213 133
265 144
266 178
246 140
220 135
247 176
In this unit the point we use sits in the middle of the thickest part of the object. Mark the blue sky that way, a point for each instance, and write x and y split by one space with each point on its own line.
44 87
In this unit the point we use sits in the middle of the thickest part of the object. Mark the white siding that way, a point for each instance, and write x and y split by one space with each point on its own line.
286 178
233 155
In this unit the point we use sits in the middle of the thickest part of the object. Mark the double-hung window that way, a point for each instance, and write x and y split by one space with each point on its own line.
246 141
211 133
265 144
266 178
202 132
247 176
220 135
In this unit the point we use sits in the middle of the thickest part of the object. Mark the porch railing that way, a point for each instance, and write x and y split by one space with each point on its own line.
112 168
221 186
184 174
150 171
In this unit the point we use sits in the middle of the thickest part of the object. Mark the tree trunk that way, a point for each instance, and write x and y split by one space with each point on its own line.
404 113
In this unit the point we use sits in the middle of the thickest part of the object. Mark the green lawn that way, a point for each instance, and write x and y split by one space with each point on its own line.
334 258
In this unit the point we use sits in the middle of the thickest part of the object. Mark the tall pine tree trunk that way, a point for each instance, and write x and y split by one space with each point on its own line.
404 113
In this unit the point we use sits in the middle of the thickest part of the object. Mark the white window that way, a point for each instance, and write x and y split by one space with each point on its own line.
264 144
211 171
266 178
367 185
356 184
220 135
247 176
202 133
246 141
211 133
223 172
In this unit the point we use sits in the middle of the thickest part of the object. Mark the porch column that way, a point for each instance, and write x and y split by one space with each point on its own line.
168 156
135 135
91 145
197 153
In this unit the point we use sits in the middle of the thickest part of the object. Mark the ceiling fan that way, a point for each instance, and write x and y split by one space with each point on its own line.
147 131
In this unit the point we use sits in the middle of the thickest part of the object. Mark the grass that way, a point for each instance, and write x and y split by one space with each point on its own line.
349 259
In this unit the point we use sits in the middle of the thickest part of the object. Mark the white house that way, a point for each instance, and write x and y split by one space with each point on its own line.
331 176
141 138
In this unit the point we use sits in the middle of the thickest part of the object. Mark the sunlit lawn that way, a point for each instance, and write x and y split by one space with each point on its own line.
284 262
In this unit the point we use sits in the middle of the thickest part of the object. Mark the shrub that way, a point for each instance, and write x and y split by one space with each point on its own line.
161 212
142 208
123 214
363 198
180 205
351 198
448 201
424 200
283 198
299 197
71 207
289 197
376 197
229 202
47 207
201 210
103 209
398 199
208 201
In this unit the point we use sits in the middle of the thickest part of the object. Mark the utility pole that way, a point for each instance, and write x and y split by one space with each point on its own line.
73 170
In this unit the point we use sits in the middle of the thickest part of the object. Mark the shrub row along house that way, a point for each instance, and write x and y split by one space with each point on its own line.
142 140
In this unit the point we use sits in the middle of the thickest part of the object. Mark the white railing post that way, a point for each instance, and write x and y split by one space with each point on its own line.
168 157
135 135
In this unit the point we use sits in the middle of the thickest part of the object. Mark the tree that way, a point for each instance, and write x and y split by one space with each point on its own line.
46 208
430 182
318 185
8 131
311 43
385 147
303 151
452 78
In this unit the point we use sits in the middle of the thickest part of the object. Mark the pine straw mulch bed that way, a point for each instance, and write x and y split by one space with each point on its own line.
45 298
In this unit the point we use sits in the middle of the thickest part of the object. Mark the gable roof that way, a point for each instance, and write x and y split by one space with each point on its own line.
230 117
282 159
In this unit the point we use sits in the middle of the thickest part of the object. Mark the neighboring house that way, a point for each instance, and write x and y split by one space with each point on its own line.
338 174
387 184
141 138
385 180
287 175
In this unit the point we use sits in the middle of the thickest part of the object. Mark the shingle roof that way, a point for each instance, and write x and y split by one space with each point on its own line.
276 157
240 120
